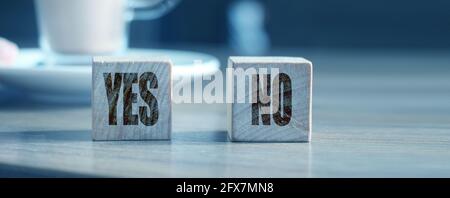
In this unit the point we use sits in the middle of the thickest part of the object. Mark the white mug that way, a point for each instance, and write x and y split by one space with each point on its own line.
72 29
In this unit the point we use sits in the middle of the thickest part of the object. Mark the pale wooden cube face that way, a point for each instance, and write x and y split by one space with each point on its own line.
131 99
289 116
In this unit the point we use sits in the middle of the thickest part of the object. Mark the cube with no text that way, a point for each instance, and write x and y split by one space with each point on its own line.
131 98
271 99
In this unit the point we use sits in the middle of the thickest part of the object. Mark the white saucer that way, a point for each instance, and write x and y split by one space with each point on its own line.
73 83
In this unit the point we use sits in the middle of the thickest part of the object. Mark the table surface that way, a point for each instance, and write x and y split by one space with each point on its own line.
375 114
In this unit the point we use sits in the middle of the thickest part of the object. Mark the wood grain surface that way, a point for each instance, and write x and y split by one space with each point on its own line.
288 114
376 114
131 98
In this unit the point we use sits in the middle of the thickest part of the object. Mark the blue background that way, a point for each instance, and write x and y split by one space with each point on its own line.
290 23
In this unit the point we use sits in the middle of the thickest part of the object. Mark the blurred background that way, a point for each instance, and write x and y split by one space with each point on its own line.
287 23
380 91
367 40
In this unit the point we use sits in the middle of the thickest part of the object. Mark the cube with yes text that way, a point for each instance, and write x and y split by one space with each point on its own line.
131 98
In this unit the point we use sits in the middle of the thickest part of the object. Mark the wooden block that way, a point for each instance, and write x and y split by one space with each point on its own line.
287 114
131 98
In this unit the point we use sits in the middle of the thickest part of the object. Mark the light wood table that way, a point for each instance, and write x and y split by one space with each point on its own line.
375 114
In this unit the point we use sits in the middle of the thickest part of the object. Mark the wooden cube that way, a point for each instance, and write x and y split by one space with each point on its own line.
281 109
131 98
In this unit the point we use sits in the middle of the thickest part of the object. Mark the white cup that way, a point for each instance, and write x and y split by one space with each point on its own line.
70 31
